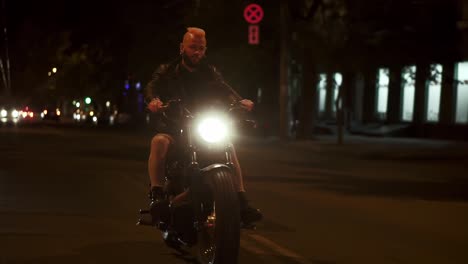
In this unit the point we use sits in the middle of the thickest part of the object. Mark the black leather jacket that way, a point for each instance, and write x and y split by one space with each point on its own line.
205 85
198 89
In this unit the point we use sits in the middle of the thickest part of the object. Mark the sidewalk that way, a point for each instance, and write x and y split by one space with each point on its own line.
378 147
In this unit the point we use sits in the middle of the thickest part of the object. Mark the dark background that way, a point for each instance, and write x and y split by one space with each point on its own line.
97 45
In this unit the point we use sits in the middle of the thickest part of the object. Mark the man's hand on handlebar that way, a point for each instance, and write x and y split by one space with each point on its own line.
156 105
246 104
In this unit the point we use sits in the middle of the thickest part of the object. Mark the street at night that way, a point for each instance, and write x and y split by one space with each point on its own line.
70 195
348 121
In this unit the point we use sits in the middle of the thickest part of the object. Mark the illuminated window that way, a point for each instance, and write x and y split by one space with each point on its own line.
322 92
434 90
408 79
383 79
336 87
462 92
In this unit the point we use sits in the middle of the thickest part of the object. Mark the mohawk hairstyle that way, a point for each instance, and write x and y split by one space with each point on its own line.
195 32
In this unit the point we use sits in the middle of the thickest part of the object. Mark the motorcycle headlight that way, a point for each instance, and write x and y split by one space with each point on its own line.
213 129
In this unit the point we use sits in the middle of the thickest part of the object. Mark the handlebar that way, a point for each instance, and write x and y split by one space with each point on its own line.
235 109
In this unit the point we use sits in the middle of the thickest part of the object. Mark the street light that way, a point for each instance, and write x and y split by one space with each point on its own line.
54 70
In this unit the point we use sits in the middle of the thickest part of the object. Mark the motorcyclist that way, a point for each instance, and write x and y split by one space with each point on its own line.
189 77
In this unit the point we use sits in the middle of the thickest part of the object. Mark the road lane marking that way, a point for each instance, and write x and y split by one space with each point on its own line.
279 249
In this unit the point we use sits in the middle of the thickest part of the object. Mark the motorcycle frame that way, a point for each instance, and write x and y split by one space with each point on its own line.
194 176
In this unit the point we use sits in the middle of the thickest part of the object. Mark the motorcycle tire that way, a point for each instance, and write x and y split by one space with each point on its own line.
218 242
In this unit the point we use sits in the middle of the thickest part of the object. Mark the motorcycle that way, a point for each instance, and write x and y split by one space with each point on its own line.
204 213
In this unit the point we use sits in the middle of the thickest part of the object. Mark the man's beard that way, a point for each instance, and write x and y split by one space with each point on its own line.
188 61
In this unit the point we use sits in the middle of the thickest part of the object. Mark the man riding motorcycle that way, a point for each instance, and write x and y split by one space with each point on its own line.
199 85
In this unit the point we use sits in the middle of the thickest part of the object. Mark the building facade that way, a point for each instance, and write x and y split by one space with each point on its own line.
420 91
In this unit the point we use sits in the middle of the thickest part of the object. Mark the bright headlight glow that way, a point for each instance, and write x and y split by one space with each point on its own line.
3 113
213 129
15 114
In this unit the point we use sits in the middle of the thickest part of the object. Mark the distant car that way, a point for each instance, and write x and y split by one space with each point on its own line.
51 113
26 114
85 116
9 114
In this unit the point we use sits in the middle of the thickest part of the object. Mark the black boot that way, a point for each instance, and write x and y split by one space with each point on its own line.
159 207
249 214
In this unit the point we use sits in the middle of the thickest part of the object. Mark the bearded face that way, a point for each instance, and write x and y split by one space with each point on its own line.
193 50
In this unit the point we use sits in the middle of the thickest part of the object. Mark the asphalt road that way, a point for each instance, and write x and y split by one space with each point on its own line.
71 195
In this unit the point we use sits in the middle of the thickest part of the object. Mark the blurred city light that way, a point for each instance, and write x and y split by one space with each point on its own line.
54 70
87 100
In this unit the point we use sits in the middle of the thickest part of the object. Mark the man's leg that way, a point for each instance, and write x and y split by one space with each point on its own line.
157 159
156 169
248 213
239 178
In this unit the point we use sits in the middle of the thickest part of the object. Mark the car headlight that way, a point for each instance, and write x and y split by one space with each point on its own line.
213 129
3 113
15 114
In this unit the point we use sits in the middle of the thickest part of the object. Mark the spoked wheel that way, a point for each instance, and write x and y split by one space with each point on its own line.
218 240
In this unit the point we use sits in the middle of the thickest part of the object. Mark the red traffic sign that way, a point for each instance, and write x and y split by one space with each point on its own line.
254 37
253 14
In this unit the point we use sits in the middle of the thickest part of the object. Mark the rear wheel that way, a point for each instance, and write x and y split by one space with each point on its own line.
218 239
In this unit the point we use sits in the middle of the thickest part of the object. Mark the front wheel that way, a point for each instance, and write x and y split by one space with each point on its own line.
218 239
